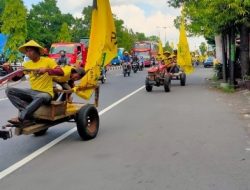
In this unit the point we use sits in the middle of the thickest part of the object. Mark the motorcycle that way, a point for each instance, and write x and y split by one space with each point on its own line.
135 66
141 65
126 69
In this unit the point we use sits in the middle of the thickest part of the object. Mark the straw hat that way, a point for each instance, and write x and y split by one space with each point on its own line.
166 53
31 43
171 57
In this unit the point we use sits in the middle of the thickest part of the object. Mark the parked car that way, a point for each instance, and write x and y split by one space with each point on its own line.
116 61
209 62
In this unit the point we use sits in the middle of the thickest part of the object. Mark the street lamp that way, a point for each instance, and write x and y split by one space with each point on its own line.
165 28
159 34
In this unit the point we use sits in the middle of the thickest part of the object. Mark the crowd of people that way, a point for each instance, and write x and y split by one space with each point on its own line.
46 74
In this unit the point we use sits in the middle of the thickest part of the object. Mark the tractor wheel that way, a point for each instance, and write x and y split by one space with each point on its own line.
148 86
183 79
167 83
87 122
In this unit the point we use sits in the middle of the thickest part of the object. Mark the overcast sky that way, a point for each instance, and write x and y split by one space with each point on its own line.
152 17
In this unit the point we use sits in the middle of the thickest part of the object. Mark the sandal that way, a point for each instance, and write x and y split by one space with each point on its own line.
15 121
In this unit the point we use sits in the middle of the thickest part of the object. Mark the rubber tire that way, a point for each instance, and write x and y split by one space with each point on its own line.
167 83
86 113
148 87
183 79
41 133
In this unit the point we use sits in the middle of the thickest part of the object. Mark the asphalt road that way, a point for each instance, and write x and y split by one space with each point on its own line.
184 139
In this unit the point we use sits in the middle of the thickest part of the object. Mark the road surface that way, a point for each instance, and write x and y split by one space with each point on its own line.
184 139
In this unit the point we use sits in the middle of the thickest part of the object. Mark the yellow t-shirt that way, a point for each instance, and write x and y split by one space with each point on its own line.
66 77
42 83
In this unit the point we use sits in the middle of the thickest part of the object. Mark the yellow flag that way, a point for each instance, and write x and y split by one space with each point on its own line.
160 50
102 46
183 53
172 45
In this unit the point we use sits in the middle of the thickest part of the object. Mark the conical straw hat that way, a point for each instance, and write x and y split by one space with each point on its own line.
31 43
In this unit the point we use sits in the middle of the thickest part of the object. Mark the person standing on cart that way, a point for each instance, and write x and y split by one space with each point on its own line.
27 101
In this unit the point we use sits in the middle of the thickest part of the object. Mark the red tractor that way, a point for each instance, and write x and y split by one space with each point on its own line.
162 75
158 76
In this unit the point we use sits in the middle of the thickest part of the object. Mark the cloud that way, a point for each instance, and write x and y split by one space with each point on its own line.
158 23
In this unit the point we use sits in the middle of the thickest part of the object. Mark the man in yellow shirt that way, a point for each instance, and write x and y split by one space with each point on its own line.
71 74
27 101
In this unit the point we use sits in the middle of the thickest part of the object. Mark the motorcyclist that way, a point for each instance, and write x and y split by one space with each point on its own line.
126 59
153 60
63 60
135 62
141 61
135 58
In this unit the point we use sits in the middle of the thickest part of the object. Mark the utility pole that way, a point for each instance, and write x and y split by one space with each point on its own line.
159 34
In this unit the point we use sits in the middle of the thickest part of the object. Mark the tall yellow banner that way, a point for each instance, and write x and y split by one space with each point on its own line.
183 53
102 46
160 51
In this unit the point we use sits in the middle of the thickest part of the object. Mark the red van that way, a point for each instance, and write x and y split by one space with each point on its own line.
75 52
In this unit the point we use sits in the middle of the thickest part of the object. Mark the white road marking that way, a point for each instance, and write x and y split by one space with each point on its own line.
38 152
2 99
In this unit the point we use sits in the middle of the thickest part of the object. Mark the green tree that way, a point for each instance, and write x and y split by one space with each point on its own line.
14 25
2 6
44 22
87 16
168 47
226 17
140 36
64 34
153 38
203 48
78 30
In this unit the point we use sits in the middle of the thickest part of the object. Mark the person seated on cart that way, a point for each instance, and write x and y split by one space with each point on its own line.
126 59
66 82
41 70
171 64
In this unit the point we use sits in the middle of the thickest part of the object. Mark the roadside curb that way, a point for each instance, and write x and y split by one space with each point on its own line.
113 68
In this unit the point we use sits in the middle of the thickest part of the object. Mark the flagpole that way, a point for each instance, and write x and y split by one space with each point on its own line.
103 59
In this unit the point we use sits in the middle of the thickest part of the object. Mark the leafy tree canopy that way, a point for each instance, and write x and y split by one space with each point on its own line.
64 35
14 26
44 22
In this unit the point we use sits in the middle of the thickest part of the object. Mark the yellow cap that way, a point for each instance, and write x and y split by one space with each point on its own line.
171 57
166 52
31 43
